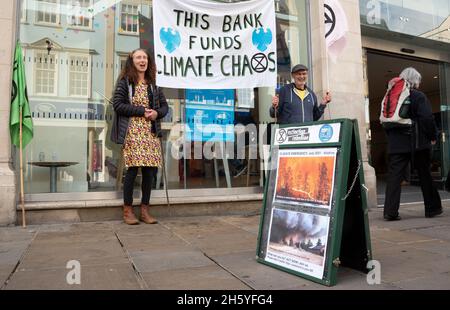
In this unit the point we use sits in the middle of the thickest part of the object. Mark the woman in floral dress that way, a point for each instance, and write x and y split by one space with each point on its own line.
139 106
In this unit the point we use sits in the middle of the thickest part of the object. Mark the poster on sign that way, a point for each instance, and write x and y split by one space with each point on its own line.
305 177
209 45
298 241
210 115
314 216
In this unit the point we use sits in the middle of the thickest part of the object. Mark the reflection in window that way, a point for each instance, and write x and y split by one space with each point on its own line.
79 16
123 61
45 78
23 11
427 19
79 80
68 104
129 18
47 11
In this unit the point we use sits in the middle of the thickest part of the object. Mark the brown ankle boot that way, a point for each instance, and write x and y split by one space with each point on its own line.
145 216
128 215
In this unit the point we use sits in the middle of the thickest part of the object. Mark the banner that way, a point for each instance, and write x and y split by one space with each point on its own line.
208 45
336 27
19 102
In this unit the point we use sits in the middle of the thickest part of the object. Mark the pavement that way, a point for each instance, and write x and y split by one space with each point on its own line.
210 253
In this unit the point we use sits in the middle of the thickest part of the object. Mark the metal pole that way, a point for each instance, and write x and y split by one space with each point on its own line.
166 185
22 202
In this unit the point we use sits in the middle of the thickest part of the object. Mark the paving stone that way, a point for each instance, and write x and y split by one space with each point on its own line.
436 232
105 277
74 236
16 234
11 252
435 246
142 229
409 222
248 223
257 275
217 245
145 243
57 255
380 244
198 278
5 272
169 260
434 281
212 252
398 237
406 263
349 279
197 226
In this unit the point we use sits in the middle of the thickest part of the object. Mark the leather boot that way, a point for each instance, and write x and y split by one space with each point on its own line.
128 215
145 216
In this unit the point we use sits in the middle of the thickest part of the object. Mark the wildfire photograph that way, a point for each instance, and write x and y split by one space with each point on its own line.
305 179
298 240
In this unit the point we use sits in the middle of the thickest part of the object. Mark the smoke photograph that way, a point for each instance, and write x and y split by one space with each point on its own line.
298 241
306 177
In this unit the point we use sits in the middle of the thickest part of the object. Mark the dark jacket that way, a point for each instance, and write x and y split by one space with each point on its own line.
292 110
124 109
423 131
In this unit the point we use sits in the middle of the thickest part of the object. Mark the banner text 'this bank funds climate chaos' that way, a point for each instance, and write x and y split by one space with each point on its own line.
201 44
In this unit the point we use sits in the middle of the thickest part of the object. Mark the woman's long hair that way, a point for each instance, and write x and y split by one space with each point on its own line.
130 72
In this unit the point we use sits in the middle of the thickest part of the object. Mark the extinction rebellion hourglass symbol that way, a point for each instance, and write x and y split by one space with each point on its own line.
281 136
330 20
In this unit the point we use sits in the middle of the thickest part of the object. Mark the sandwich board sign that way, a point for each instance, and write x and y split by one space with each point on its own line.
314 216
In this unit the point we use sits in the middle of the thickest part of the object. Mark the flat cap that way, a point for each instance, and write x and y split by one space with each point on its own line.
299 67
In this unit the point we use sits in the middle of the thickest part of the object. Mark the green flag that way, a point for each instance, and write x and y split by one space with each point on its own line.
19 102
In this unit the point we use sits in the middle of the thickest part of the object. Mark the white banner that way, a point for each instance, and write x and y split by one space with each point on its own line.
336 26
202 44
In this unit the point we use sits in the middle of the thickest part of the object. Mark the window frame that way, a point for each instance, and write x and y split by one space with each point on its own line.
89 75
118 58
36 69
57 13
85 11
124 31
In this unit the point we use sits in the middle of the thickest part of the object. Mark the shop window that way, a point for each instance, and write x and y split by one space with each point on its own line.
123 62
79 15
79 75
47 12
45 74
71 91
129 19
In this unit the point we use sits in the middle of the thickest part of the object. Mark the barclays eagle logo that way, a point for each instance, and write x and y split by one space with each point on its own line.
170 38
262 38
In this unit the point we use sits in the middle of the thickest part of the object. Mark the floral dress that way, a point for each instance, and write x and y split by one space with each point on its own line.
141 148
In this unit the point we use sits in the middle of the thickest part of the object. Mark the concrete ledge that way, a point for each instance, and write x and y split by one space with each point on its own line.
60 205
110 210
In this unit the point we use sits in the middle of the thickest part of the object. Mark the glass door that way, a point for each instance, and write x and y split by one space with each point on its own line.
444 76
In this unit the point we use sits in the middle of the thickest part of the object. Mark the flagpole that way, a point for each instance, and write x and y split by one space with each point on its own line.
22 203
328 79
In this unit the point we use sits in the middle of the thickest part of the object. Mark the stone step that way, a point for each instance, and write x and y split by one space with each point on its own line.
47 212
